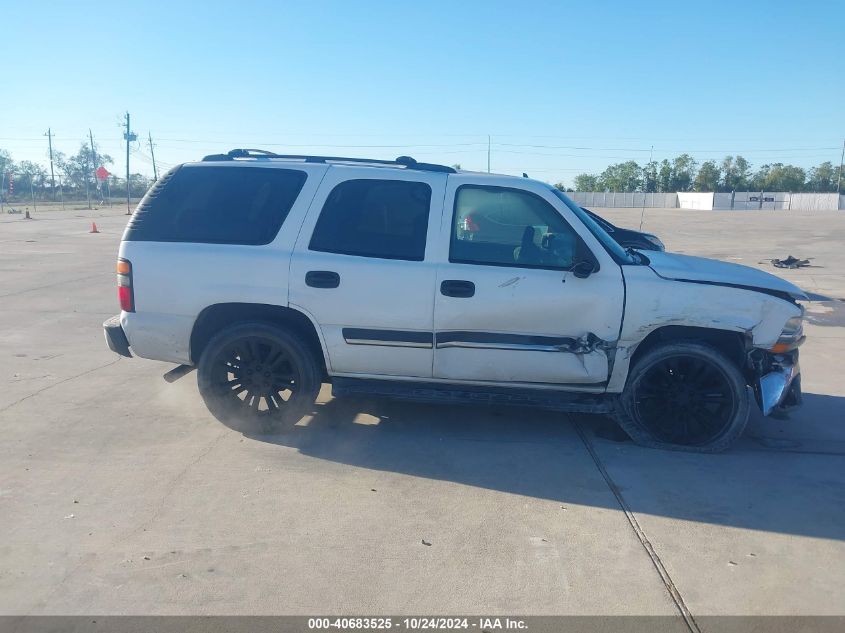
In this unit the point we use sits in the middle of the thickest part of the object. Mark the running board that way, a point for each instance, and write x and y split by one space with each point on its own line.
447 393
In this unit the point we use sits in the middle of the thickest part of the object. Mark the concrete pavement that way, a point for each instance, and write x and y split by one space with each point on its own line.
119 493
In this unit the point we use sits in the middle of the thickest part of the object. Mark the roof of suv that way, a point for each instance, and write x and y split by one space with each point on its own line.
405 162
402 162
245 156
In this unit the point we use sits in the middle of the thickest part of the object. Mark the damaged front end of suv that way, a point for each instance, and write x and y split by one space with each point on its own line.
699 337
775 373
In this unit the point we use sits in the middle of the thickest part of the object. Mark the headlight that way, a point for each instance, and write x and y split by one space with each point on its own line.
791 337
794 327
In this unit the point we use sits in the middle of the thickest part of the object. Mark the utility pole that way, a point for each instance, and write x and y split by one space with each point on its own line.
645 182
153 154
93 157
839 179
488 153
129 136
88 191
49 136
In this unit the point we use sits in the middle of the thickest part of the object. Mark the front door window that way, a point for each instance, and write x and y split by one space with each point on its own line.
497 226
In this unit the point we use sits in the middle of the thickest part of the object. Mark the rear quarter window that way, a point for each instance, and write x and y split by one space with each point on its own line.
216 205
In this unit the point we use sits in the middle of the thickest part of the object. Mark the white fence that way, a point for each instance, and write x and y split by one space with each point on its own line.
624 199
739 200
778 200
695 200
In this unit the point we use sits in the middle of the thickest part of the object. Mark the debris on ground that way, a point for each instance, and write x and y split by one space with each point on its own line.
426 543
790 262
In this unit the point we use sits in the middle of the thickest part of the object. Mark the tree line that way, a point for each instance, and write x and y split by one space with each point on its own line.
74 176
683 173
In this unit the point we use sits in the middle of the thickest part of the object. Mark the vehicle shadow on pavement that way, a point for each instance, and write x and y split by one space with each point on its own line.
541 454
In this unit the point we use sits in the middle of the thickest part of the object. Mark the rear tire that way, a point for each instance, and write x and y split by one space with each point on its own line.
684 396
257 378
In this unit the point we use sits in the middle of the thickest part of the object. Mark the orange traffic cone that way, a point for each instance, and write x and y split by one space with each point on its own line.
93 228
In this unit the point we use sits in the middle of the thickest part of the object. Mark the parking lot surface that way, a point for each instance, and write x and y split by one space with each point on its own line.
120 494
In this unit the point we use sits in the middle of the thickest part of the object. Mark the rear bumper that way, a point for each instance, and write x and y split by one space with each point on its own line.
116 337
780 386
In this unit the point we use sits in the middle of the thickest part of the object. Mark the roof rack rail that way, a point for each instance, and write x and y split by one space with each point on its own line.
404 161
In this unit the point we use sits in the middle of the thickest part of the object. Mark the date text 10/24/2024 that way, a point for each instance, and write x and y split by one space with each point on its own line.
417 623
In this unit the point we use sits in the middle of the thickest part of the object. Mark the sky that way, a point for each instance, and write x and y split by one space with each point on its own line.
560 88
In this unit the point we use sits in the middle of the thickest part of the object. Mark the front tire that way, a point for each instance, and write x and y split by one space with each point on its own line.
257 378
684 396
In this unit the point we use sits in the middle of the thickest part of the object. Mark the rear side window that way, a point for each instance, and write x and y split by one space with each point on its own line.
387 219
216 205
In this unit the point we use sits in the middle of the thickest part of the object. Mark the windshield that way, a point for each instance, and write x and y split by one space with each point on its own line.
611 246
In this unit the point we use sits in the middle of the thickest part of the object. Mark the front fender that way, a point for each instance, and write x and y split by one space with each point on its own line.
653 302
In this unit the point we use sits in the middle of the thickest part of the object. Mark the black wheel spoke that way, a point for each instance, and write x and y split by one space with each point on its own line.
280 363
684 399
274 356
254 352
257 376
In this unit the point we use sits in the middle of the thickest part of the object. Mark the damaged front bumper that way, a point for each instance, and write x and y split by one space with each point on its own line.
778 382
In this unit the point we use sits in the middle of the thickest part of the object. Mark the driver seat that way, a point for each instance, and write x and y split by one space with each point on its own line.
528 252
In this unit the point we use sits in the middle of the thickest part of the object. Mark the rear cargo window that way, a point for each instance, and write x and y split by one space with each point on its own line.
216 205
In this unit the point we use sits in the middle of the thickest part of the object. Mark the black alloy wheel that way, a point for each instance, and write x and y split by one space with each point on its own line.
684 400
684 395
257 372
256 377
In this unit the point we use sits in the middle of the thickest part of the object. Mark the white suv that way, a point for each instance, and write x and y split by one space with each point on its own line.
273 274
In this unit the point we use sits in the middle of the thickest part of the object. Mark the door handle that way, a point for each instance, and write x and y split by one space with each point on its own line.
457 288
322 279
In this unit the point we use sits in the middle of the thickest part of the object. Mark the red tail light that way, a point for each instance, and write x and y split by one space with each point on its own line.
124 285
127 303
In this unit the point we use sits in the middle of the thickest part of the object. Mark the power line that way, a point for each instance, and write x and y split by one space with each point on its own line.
480 144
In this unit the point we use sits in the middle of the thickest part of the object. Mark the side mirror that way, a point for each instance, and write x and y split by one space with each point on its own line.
583 268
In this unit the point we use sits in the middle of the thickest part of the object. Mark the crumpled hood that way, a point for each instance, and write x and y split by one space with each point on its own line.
688 268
